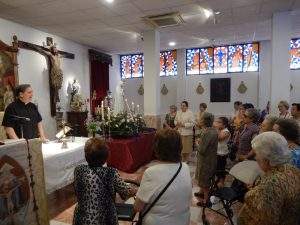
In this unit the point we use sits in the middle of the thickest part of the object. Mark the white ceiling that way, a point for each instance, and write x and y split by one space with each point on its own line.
117 27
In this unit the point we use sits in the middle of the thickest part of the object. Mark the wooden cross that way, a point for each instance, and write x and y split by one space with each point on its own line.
55 72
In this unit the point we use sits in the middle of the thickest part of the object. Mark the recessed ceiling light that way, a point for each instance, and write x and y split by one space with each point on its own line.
109 1
172 43
217 13
207 12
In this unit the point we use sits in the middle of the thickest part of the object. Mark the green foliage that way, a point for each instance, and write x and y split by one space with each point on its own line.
120 125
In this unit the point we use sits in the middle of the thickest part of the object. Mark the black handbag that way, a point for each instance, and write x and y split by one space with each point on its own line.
142 215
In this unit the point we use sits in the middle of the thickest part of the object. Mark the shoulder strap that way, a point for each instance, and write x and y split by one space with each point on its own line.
161 193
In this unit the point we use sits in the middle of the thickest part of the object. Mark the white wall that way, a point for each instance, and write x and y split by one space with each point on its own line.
33 68
183 87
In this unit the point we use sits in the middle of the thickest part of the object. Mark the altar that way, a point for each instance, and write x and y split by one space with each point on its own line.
129 154
126 155
59 164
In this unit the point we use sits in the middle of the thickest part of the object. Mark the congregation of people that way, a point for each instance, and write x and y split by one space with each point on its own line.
165 191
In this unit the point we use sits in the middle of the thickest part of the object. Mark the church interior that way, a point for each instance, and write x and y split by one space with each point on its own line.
175 112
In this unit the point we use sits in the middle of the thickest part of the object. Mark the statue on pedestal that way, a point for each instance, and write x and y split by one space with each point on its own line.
119 98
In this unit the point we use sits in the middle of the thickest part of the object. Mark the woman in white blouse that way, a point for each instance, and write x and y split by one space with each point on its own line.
184 122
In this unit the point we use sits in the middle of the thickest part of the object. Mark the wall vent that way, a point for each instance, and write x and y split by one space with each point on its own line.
164 20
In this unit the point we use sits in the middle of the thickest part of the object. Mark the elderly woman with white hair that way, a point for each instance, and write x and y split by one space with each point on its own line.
276 198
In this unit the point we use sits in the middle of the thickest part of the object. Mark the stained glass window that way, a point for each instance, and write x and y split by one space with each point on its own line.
235 58
220 59
125 66
168 63
251 59
171 63
162 64
206 60
137 65
295 54
192 61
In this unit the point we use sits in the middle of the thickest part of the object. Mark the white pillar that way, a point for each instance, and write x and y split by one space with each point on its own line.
280 43
151 78
181 81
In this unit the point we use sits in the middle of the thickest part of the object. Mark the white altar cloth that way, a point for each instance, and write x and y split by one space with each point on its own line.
59 164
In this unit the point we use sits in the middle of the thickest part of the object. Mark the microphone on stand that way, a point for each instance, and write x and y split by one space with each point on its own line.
20 117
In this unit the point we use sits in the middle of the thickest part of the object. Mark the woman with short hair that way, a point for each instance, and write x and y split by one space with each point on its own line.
170 117
283 108
276 198
173 207
251 129
206 146
290 129
96 187
268 123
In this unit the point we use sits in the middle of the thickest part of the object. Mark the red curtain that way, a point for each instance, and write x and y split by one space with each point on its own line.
99 82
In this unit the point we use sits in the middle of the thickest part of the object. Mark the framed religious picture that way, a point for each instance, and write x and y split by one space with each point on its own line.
8 72
220 90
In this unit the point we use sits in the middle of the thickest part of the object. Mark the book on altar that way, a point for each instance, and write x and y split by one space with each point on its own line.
62 133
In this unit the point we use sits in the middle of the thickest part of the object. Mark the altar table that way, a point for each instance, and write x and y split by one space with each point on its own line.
59 164
125 154
129 154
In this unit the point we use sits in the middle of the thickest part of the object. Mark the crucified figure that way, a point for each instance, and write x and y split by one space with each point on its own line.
56 74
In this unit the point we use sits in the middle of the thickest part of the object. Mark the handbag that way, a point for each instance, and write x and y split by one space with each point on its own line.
142 215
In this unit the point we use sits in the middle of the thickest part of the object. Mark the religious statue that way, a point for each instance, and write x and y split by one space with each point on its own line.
119 98
75 87
55 73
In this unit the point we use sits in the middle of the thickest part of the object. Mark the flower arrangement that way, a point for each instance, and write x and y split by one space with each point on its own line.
120 125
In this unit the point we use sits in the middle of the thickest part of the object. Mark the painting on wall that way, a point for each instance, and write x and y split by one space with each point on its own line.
8 73
220 90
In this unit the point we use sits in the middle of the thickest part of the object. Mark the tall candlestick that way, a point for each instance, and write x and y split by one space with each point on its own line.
138 109
108 113
102 110
132 107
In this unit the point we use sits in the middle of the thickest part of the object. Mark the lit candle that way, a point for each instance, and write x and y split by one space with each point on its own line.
132 107
138 109
108 113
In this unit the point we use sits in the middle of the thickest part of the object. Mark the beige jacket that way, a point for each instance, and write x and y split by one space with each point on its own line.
187 118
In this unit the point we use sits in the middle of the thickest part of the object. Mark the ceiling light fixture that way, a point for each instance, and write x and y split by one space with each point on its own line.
109 1
207 12
172 43
217 13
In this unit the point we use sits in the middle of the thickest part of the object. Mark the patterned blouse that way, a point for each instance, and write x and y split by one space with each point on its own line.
275 200
95 189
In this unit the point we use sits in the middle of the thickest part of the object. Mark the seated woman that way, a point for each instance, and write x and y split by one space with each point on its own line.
206 146
96 187
170 117
173 207
289 129
276 198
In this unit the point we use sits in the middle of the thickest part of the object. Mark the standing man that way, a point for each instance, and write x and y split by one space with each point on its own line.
22 118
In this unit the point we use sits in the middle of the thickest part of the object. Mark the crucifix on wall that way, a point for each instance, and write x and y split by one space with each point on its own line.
55 72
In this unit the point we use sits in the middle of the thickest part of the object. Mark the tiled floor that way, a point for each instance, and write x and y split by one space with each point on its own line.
62 203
